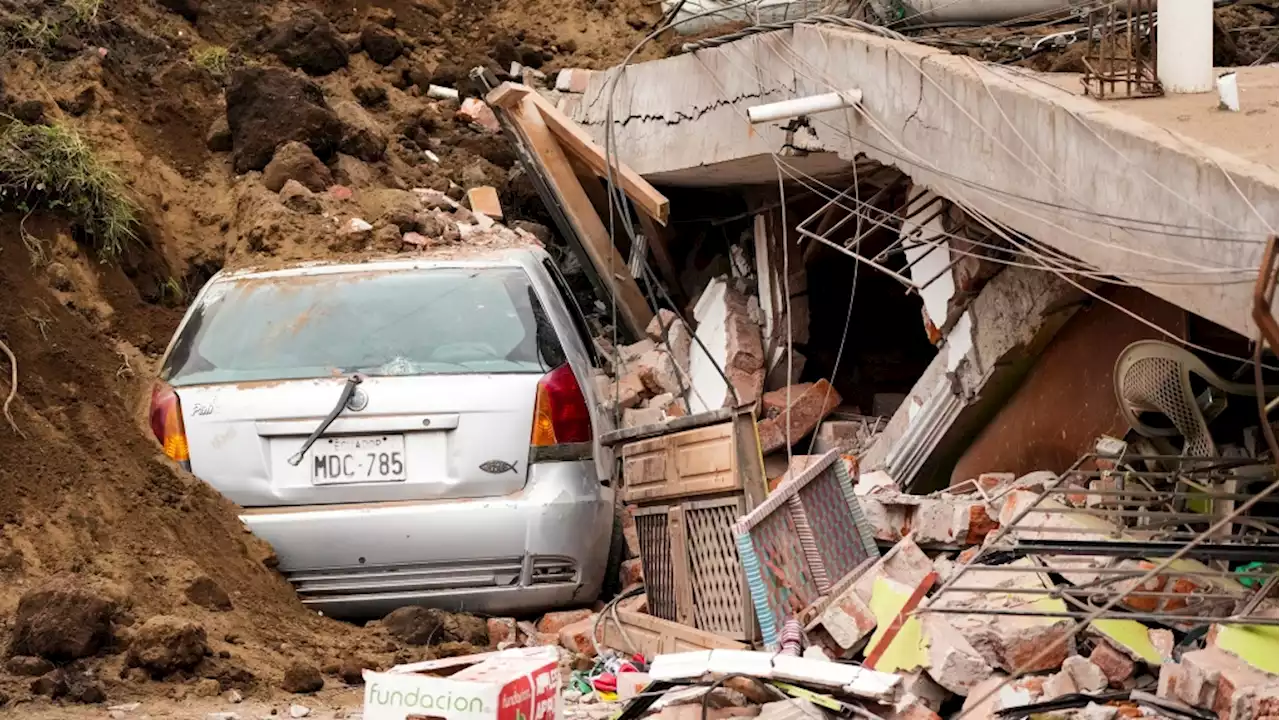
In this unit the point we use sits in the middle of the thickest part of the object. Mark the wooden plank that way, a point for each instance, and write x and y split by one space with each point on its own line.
750 461
680 565
654 636
507 94
604 256
577 141
710 417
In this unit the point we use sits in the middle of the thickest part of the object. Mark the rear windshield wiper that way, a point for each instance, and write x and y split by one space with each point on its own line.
347 390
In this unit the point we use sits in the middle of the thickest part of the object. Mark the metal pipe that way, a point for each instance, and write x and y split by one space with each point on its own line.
1115 615
982 11
1092 592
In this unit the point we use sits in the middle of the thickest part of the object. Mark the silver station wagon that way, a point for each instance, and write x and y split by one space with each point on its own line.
402 432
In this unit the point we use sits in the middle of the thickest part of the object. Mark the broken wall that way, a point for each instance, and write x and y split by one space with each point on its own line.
1068 398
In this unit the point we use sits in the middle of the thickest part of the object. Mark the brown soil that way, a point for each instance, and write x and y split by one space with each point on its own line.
84 490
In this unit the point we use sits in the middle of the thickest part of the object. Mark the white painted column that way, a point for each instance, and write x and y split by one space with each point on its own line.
1184 46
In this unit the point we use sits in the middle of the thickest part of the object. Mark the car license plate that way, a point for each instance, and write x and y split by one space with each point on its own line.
358 459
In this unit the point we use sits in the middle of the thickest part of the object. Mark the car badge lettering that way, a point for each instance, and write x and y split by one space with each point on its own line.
202 409
497 467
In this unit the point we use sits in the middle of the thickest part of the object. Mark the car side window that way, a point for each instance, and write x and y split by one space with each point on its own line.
575 312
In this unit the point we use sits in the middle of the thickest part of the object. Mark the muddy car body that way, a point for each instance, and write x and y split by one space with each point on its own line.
462 468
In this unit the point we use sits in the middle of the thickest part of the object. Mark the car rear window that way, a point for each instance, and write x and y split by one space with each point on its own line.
401 322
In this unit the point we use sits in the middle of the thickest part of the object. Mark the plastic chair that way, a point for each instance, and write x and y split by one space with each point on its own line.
1155 376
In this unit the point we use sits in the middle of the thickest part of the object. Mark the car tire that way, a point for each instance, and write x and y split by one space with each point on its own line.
612 584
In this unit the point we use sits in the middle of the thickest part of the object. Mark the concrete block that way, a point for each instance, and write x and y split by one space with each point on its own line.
635 603
1088 676
555 621
1059 684
848 619
918 684
953 662
842 435
953 520
573 80
1116 665
793 709
636 350
639 417
977 704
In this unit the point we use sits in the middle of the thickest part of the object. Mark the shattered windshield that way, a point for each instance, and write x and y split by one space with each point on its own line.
379 323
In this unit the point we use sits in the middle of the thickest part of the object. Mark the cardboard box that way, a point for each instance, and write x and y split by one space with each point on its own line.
517 684
631 684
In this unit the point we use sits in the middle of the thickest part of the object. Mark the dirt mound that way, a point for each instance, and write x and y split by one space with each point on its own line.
120 575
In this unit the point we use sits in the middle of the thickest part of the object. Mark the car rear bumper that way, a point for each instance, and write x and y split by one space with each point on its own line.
542 547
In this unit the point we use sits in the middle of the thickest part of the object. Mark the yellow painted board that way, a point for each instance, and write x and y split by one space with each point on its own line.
908 650
1258 645
1132 636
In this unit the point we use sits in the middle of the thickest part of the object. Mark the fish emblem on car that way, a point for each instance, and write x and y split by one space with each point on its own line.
497 467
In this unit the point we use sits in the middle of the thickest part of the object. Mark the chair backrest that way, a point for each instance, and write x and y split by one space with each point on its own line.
1155 376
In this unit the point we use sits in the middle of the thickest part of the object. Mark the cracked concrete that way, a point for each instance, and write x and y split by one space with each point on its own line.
1181 216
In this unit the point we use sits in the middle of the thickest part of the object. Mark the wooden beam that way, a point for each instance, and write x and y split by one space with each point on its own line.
578 142
655 636
599 247
507 94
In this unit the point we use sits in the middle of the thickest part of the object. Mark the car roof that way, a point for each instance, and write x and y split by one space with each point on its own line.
458 256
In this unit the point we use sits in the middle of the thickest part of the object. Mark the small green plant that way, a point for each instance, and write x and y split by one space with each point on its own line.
52 168
215 58
39 33
84 12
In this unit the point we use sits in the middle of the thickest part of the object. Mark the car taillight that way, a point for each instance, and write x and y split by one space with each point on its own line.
166 423
560 413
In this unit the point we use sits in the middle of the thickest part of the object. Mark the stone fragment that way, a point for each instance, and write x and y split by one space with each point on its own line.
28 666
381 44
658 373
267 107
166 644
218 138
415 625
61 620
299 199
308 41
207 593
302 678
295 161
362 136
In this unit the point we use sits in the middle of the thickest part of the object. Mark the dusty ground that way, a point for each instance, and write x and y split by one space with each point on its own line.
85 493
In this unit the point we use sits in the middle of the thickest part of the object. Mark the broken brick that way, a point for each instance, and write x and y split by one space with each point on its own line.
630 536
1116 665
573 80
635 603
484 200
501 629
632 572
576 636
1088 676
808 408
848 619
477 111
554 621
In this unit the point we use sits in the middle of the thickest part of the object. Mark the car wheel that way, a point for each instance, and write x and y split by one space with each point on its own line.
613 568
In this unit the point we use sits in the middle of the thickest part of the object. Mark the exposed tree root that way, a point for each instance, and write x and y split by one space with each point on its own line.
13 388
